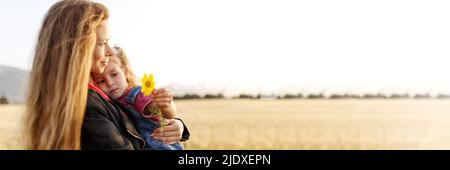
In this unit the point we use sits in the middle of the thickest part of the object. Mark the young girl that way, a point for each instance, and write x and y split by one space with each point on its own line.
118 82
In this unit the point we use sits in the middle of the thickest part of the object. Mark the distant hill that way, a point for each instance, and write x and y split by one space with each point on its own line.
13 83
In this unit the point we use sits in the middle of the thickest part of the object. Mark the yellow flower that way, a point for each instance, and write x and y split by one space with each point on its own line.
148 85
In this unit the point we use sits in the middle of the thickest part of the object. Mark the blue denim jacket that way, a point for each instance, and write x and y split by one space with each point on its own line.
146 126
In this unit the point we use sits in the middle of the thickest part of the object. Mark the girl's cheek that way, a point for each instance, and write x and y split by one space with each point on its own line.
103 87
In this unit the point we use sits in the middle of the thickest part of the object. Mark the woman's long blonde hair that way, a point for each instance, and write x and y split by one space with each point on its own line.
59 77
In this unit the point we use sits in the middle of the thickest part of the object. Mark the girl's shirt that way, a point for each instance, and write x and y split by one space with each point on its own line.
136 99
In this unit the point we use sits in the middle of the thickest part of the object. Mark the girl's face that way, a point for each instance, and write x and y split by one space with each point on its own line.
113 81
102 50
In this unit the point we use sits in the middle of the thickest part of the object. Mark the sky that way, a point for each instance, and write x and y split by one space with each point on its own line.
266 45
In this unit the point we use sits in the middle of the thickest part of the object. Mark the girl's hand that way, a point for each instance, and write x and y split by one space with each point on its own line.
171 133
162 98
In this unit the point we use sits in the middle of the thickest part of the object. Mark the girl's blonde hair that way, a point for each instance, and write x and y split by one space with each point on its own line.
121 59
59 77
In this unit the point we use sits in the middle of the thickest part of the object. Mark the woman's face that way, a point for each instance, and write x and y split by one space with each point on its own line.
102 50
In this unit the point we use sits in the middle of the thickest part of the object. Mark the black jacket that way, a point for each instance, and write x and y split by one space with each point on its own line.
107 126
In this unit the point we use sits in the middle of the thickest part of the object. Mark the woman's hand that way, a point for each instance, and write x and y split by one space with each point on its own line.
171 133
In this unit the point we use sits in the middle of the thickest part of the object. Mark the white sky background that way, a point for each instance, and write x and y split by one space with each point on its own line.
346 45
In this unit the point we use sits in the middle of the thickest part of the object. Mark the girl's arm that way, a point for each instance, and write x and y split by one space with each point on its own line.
169 112
147 105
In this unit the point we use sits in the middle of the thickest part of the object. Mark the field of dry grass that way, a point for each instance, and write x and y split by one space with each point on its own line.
317 124
11 127
297 124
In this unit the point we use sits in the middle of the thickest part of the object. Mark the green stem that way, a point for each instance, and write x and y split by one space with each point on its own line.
157 113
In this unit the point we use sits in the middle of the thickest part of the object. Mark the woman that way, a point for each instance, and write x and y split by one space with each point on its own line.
65 110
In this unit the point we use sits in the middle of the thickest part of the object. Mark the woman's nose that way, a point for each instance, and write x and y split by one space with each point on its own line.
108 51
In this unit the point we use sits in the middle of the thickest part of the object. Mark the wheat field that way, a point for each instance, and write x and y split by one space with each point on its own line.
296 124
11 121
